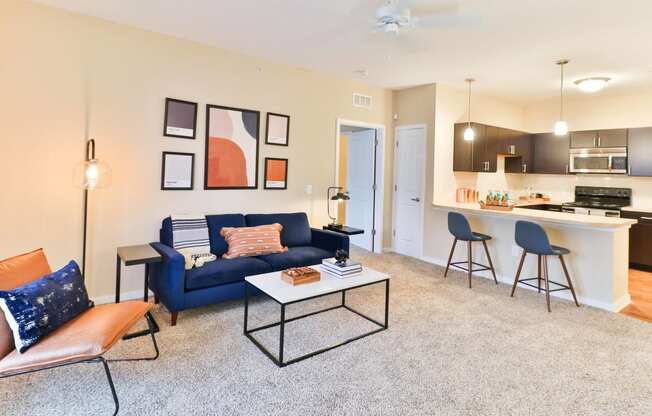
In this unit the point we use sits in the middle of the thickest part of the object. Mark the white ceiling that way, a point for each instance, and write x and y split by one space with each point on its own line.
509 46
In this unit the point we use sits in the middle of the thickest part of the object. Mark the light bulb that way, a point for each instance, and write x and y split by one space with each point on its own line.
561 128
91 174
469 134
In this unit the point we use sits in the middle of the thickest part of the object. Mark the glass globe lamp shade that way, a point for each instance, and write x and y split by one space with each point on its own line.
92 174
561 128
469 134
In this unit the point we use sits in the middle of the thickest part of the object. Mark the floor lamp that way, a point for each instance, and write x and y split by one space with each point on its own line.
91 174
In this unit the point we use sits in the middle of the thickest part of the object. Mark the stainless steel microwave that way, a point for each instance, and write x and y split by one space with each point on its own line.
598 160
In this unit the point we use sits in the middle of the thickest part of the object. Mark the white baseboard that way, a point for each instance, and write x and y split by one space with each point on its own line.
616 306
388 249
135 294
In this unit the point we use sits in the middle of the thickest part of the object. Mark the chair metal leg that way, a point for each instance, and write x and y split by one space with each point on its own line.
113 392
518 273
491 264
470 263
539 273
450 257
568 279
545 274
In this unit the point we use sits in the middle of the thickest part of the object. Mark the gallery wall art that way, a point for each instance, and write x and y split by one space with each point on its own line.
180 119
278 129
232 139
177 171
276 173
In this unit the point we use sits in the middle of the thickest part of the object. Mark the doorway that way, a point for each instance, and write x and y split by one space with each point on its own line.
358 171
409 190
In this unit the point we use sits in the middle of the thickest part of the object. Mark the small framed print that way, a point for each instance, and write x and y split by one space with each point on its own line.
276 173
177 171
278 129
180 119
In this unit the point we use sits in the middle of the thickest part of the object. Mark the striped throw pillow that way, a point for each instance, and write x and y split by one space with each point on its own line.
253 241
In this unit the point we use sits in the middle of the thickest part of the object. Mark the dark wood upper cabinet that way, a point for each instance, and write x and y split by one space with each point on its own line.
640 151
517 148
598 138
485 150
612 138
550 153
584 139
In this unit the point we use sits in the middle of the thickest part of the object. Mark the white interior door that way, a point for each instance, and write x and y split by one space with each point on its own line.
360 184
408 193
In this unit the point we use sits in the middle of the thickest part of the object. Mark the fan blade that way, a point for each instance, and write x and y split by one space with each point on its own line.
424 8
447 20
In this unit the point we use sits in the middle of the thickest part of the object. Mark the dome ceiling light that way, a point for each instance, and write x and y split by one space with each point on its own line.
593 84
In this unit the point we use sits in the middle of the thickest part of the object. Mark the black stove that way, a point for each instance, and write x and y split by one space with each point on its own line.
594 200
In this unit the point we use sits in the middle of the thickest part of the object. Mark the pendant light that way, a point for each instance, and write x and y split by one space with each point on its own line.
469 134
561 127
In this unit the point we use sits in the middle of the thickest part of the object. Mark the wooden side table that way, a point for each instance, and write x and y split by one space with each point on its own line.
131 256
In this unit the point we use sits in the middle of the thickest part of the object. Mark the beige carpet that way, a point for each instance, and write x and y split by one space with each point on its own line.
449 351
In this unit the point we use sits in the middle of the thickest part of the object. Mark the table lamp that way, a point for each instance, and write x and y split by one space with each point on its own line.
340 197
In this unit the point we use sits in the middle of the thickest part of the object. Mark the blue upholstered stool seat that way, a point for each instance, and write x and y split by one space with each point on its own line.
459 227
532 238
481 237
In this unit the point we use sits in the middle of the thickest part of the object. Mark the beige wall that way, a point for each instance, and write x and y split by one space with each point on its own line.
593 111
67 77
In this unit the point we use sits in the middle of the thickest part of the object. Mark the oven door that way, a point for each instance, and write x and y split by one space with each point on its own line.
598 161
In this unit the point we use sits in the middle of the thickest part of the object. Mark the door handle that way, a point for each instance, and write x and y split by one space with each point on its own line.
416 199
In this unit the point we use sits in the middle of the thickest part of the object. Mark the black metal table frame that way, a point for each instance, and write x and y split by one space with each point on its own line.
279 360
118 274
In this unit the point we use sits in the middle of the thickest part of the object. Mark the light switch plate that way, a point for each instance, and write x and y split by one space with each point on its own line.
308 189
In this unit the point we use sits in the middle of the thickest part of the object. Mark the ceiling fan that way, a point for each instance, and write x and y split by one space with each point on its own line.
396 15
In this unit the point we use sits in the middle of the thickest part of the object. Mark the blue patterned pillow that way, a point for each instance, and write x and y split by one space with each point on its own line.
40 307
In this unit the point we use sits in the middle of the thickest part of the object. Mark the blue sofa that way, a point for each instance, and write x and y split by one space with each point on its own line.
223 279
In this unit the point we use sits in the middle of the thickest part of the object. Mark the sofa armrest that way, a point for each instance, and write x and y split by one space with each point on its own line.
329 240
168 277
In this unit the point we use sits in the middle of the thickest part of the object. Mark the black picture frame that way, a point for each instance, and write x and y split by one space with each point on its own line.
192 172
287 138
287 163
206 148
168 102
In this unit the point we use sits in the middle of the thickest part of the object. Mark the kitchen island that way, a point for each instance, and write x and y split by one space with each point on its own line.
598 263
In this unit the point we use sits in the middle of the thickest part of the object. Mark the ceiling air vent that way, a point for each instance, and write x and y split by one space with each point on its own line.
363 101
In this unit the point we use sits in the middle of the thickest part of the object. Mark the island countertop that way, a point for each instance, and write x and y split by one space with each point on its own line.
550 217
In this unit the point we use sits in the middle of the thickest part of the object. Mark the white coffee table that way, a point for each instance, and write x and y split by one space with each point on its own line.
286 294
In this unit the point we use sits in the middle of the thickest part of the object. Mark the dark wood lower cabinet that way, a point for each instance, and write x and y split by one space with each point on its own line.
640 240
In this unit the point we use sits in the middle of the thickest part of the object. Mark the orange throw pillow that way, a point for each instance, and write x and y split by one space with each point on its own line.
253 241
15 272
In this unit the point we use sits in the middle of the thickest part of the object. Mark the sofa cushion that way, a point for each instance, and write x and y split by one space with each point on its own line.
253 241
296 257
215 224
14 272
223 271
296 228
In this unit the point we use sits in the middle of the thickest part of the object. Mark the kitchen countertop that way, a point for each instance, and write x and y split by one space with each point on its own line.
562 218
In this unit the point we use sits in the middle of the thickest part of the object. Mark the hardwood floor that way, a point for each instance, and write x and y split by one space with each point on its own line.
640 288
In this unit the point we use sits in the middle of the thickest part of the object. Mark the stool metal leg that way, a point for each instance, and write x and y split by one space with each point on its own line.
491 264
450 257
539 273
470 263
518 273
570 284
545 274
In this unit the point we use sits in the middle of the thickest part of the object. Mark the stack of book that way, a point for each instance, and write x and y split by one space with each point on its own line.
341 270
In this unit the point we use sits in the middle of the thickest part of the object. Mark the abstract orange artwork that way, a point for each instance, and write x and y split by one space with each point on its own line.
231 159
276 173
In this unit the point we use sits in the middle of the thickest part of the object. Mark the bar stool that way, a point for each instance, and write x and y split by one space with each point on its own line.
459 227
532 238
